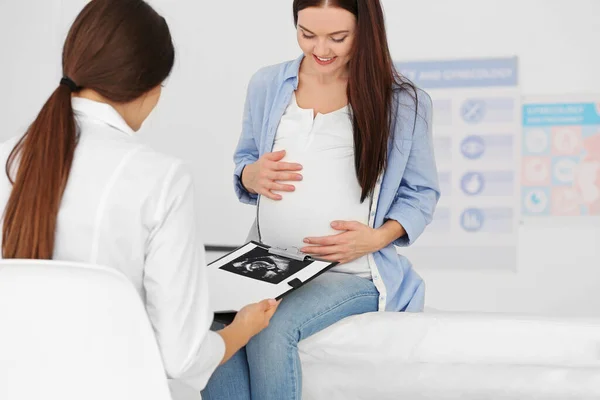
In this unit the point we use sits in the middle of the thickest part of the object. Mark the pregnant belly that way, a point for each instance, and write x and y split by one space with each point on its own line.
329 191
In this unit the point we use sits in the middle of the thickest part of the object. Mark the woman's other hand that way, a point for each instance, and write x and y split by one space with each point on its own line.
264 176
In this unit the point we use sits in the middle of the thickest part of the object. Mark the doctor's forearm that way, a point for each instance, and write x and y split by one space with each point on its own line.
234 338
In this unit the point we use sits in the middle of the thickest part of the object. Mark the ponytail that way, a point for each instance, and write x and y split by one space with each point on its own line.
119 49
42 161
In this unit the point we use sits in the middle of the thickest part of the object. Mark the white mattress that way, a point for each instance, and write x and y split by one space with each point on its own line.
453 356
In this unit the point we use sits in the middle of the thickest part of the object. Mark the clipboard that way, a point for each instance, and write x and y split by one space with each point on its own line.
256 271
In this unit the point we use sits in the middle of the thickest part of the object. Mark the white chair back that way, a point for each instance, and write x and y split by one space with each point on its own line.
72 331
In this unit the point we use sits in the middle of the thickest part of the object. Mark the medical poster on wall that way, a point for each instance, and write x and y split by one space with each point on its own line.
560 168
476 131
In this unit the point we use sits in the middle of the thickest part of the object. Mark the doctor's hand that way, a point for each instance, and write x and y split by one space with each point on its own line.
264 176
255 317
248 322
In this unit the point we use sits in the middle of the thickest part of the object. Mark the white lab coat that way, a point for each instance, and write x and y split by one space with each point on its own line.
132 208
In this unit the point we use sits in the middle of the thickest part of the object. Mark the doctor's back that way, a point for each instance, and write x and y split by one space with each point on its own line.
79 185
118 194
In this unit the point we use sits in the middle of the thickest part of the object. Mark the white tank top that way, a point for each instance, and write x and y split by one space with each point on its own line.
329 191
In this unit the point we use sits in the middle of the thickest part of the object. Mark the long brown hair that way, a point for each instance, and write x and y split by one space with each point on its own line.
119 48
372 82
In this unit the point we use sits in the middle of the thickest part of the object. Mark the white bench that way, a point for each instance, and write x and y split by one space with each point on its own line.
453 356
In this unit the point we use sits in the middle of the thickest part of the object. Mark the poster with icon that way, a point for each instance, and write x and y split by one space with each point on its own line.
560 168
476 130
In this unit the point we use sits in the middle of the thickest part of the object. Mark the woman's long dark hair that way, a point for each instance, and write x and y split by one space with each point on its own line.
371 86
119 48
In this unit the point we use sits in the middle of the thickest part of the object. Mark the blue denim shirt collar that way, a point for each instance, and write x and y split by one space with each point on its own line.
292 70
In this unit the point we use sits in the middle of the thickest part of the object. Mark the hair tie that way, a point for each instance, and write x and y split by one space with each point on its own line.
70 84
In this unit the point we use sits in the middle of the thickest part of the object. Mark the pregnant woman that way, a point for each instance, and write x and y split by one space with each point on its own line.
336 150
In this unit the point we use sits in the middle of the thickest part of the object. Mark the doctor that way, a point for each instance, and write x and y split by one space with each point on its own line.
81 187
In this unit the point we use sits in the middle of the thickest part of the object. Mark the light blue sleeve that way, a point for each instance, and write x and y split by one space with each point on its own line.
247 151
419 190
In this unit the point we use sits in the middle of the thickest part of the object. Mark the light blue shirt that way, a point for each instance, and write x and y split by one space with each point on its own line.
409 190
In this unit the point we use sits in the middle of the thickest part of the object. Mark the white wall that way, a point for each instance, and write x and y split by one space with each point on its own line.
221 43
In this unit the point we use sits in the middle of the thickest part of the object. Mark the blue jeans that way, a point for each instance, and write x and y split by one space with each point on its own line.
269 366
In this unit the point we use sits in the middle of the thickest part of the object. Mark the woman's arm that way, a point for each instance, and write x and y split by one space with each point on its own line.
419 191
247 151
254 176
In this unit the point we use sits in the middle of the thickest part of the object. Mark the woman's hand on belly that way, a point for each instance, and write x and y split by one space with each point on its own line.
355 240
265 175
